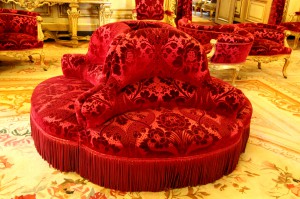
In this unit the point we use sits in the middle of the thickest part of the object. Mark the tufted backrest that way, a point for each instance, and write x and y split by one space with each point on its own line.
18 21
149 9
150 52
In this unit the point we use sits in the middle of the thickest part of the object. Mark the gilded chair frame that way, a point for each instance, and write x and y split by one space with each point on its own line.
295 17
267 59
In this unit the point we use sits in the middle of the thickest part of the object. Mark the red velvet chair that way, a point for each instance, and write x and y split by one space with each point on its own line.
157 10
226 46
269 44
21 34
140 112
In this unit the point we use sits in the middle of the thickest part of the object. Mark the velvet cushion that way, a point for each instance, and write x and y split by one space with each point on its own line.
161 133
103 103
162 52
149 9
19 41
95 107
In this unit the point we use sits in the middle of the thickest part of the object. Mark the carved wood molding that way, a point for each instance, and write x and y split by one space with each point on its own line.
30 5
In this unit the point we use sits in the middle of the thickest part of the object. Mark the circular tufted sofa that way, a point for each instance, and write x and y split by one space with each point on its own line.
140 112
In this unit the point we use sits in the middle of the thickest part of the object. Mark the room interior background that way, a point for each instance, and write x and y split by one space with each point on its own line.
86 15
269 169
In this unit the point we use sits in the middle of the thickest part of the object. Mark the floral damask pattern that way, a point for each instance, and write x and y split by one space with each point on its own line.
161 133
276 11
18 30
269 39
150 9
233 43
180 54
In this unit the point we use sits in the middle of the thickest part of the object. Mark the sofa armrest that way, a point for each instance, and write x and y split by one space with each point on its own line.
77 66
73 65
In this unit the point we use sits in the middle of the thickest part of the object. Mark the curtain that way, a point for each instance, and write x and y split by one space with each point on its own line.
184 9
276 12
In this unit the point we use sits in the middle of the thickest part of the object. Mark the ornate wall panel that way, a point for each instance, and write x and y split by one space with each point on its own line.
258 11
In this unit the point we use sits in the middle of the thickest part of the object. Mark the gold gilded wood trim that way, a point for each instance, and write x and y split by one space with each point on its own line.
267 59
296 35
30 5
20 54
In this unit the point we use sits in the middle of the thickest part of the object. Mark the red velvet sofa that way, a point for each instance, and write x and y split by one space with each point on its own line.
21 34
227 46
269 44
140 112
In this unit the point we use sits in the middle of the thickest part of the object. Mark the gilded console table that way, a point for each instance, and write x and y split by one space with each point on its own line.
103 7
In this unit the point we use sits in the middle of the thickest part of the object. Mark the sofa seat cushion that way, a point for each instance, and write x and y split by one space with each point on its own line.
162 133
19 41
52 106
268 48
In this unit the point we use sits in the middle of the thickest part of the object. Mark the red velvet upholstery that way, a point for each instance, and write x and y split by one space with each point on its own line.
276 11
149 9
89 66
268 39
233 43
184 10
269 44
18 30
292 26
226 46
157 10
155 121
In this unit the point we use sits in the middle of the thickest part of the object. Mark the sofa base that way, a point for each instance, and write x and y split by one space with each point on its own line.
138 174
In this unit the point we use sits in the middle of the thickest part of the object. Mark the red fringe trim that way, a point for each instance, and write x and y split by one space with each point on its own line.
61 154
134 174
